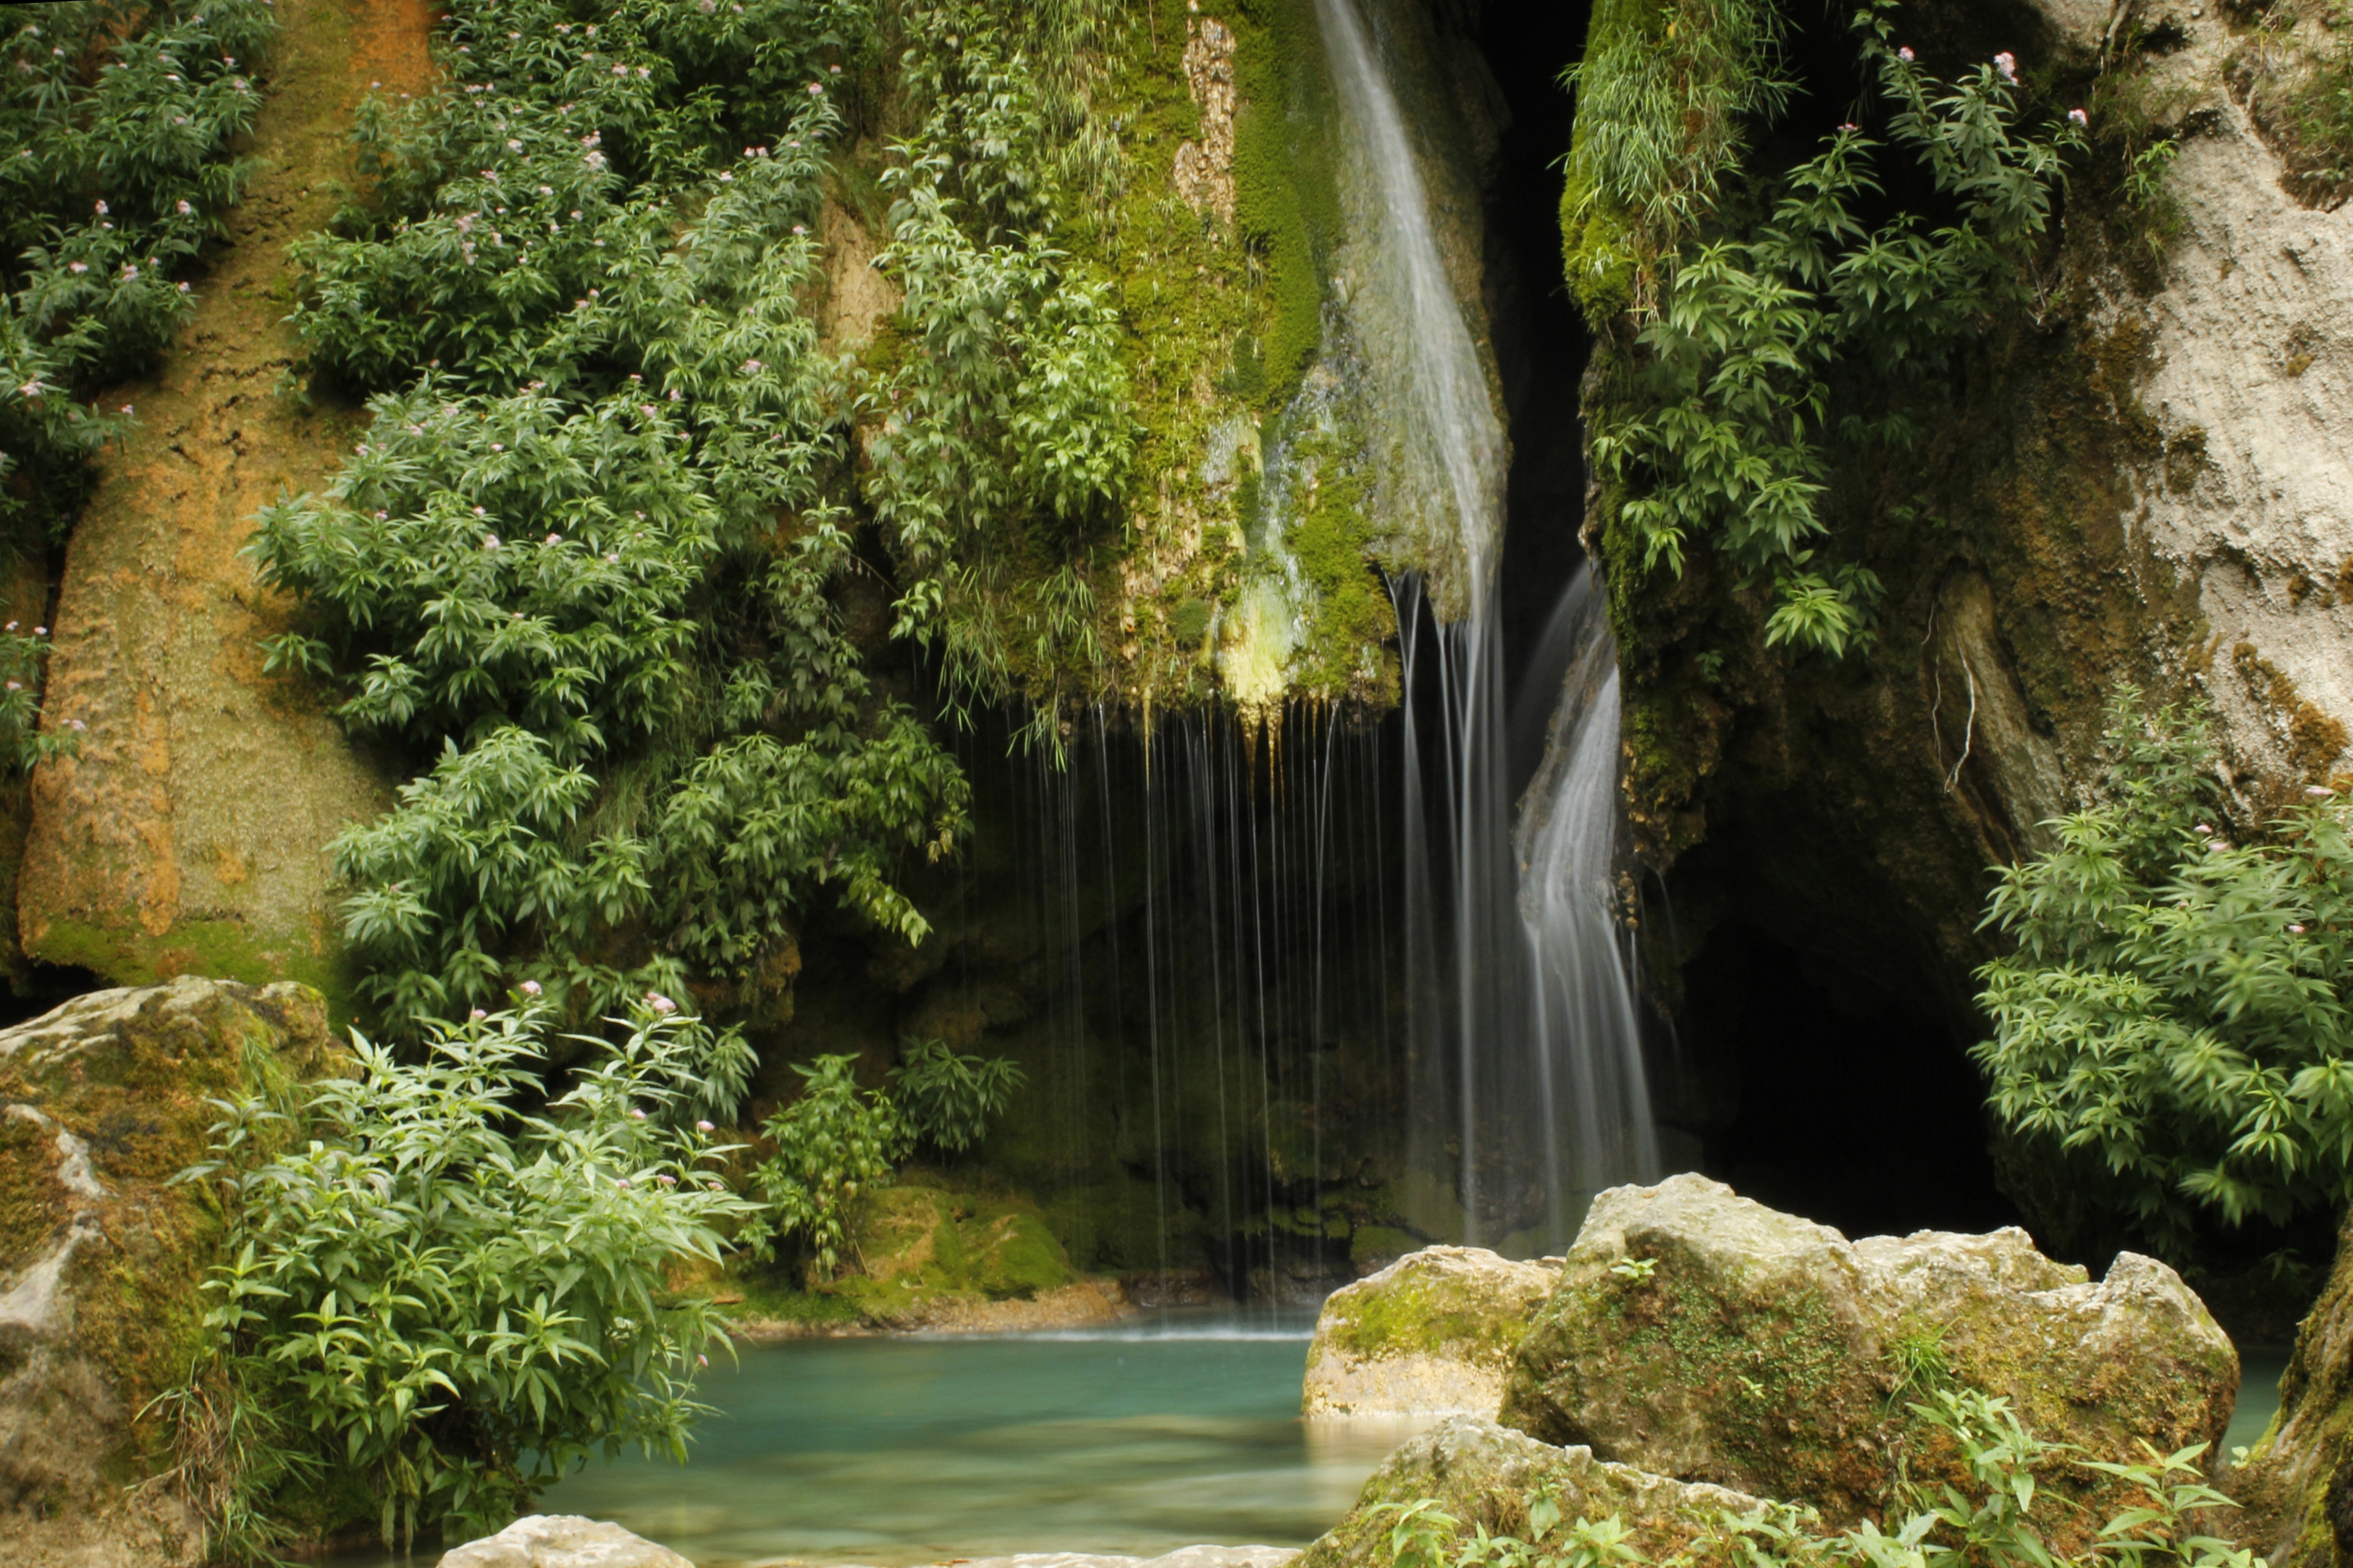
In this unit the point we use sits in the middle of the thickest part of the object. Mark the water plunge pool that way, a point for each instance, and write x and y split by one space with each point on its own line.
1161 1432
1137 1438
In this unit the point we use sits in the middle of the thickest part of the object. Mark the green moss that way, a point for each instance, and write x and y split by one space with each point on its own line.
1379 1244
215 949
1418 1316
1286 196
1596 251
919 1245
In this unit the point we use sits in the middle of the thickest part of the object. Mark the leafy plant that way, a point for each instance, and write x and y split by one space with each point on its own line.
836 1141
582 559
2177 1007
116 124
445 1296
23 741
1772 344
833 1141
949 1100
1662 103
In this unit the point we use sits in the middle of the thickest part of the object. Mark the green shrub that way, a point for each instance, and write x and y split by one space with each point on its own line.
949 1100
581 561
835 1140
1772 344
446 1296
116 121
2177 1007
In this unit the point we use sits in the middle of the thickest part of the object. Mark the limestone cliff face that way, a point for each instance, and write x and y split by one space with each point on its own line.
2147 480
189 834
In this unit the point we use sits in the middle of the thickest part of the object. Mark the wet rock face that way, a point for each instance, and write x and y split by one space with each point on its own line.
563 1540
2298 1483
1432 1334
1483 1474
101 1102
1706 1337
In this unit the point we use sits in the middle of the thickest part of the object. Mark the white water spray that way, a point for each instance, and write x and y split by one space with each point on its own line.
1524 996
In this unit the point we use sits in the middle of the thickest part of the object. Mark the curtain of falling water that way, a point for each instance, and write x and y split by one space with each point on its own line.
1215 981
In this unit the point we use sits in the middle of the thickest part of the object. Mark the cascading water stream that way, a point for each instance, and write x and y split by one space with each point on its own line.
1526 995
1593 1098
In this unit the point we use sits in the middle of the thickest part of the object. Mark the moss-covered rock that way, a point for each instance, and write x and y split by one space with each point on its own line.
923 1252
102 1103
2297 1484
1708 1337
1431 1334
1483 1474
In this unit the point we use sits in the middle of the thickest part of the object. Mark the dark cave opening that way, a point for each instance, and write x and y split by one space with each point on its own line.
1812 1087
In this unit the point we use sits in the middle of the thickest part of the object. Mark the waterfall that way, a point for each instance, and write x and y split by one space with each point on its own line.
1521 1004
1593 1097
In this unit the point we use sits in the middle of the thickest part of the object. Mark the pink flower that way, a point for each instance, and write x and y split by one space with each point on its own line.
16 686
2007 64
101 209
2201 827
817 89
667 1181
2296 930
556 539
77 267
185 209
2081 119
659 1003
75 725
704 1360
704 1127
2318 791
40 631
636 1115
490 541
476 1016
800 228
621 1182
1906 55
130 271
530 987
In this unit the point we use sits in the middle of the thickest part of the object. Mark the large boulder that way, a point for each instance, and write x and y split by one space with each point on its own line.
1703 1336
1484 1474
563 1540
1432 1334
2298 1485
102 1103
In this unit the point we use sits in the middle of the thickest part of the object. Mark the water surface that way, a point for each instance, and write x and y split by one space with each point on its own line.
1137 1438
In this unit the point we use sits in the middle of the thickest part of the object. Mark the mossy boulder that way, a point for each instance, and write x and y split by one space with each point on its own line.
1431 1334
1703 1336
1485 1474
2298 1485
922 1251
102 1103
